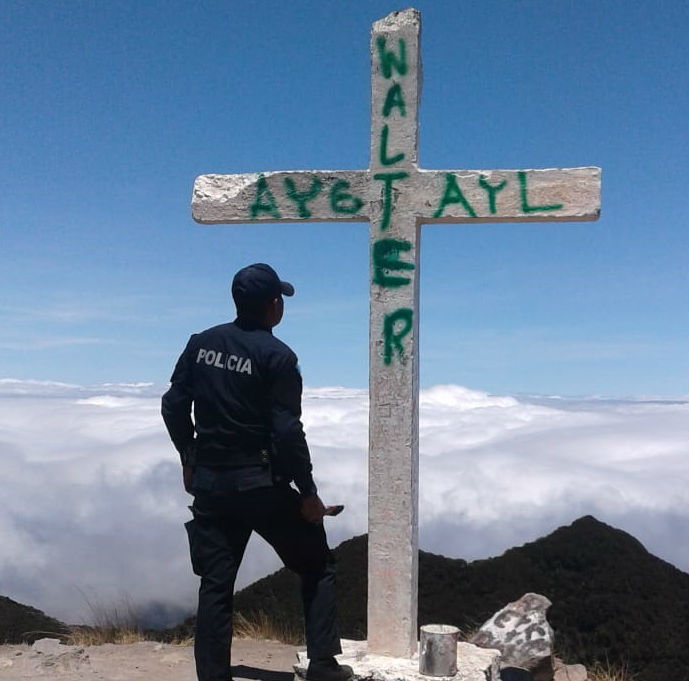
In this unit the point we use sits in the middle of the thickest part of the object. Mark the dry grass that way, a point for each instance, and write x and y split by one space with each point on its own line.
607 671
261 627
97 636
116 623
121 623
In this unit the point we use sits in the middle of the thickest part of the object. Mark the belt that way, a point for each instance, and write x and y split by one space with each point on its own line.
233 459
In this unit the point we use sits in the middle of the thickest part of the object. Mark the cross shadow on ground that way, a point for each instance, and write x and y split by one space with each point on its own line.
257 674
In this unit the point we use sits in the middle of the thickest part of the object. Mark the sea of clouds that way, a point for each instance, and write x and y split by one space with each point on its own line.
92 506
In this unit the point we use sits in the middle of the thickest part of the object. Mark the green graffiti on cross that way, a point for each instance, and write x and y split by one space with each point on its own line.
393 99
389 60
383 151
526 208
386 253
396 326
341 201
388 179
301 198
492 190
453 194
264 201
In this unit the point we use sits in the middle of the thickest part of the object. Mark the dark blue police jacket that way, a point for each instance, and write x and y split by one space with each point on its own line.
245 388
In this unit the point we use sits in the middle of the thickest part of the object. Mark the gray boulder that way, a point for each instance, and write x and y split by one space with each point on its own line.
520 631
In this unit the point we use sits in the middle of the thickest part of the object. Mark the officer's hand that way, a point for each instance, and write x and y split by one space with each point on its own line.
186 475
312 509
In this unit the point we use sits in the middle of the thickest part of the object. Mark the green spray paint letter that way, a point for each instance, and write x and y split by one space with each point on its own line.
386 253
388 179
393 99
300 198
526 208
492 190
453 194
389 60
383 151
342 201
393 339
264 201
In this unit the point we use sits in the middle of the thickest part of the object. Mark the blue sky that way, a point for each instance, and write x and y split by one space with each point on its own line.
110 110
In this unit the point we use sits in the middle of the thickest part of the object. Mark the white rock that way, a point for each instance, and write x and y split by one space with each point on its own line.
571 672
46 646
51 655
520 631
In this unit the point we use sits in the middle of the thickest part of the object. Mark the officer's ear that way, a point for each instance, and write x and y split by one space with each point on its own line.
277 308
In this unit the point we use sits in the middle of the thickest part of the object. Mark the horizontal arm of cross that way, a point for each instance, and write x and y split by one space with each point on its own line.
547 195
282 196
454 196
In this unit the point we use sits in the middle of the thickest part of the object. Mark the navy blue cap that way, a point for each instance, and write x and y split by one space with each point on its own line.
259 282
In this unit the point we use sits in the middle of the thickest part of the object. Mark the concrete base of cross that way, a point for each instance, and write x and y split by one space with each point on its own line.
473 664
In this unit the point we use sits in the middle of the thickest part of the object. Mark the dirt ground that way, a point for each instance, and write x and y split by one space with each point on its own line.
251 660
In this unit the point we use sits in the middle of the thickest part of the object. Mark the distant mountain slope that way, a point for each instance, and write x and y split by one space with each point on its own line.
19 623
612 599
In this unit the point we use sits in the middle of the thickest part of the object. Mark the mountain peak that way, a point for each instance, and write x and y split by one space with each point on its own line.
611 598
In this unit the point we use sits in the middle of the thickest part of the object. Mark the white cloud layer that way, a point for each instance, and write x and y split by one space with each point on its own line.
92 504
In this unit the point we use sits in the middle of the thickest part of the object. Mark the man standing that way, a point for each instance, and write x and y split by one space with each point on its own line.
240 453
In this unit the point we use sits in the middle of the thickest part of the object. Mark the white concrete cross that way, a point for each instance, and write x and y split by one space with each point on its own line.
396 197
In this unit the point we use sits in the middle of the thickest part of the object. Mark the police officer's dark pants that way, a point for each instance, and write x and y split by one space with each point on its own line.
218 537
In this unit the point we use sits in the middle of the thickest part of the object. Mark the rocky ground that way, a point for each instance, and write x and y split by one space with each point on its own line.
251 660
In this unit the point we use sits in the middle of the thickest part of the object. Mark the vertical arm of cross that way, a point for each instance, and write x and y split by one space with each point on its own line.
393 416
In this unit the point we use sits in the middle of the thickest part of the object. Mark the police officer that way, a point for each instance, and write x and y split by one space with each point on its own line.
239 455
